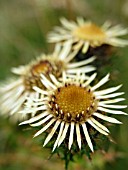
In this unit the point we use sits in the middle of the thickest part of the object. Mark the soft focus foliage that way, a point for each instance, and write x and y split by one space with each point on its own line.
23 28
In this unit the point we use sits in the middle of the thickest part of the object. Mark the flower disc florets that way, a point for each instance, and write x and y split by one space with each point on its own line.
73 103
45 66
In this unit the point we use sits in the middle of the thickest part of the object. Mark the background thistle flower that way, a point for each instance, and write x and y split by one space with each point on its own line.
84 34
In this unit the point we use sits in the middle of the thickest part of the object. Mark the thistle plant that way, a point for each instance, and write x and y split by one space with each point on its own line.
62 98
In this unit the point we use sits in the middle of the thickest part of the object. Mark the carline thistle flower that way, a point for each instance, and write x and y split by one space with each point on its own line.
84 34
70 105
15 93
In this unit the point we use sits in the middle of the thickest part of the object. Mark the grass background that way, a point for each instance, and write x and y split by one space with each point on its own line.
23 28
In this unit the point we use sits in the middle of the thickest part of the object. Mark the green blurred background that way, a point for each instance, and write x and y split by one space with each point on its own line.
23 28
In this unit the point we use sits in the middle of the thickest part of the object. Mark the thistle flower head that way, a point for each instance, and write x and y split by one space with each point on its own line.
84 34
70 105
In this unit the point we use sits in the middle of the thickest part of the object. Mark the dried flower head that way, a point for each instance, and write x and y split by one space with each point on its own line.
86 33
70 105
15 93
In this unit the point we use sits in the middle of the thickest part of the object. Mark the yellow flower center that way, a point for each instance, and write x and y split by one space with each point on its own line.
73 103
42 67
90 32
45 67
